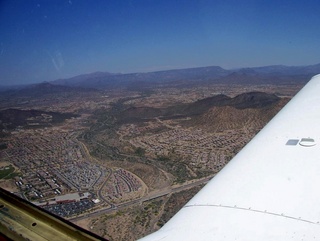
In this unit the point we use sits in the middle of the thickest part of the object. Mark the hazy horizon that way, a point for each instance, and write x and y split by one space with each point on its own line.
95 72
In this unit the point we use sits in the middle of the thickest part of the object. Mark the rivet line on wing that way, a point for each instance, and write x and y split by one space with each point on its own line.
252 210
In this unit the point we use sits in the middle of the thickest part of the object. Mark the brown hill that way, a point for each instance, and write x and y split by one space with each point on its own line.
243 101
12 118
221 118
254 100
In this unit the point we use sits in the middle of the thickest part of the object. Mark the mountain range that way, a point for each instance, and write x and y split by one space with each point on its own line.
275 74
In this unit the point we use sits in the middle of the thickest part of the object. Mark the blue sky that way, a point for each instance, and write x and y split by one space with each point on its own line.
46 40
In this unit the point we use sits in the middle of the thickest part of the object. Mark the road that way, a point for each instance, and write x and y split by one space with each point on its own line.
150 196
100 190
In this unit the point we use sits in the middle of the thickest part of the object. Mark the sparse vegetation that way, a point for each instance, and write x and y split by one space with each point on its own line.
175 203
176 168
3 146
140 151
164 137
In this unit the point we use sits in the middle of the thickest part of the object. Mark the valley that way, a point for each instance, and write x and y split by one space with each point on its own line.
121 161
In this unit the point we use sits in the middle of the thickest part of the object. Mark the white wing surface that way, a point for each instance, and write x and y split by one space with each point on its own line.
269 191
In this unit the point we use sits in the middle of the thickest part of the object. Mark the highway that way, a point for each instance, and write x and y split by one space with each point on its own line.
148 197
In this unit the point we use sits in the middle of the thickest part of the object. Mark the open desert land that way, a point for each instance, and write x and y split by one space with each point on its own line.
120 163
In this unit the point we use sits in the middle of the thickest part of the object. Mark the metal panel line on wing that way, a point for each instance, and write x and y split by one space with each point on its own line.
253 210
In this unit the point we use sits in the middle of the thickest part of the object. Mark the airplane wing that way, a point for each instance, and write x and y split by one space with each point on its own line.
269 191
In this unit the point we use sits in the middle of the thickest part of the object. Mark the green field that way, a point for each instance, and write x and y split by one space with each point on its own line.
7 172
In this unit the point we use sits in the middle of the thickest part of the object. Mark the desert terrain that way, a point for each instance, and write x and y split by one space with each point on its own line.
120 162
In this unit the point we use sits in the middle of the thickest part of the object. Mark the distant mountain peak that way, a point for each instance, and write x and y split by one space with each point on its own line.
138 81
